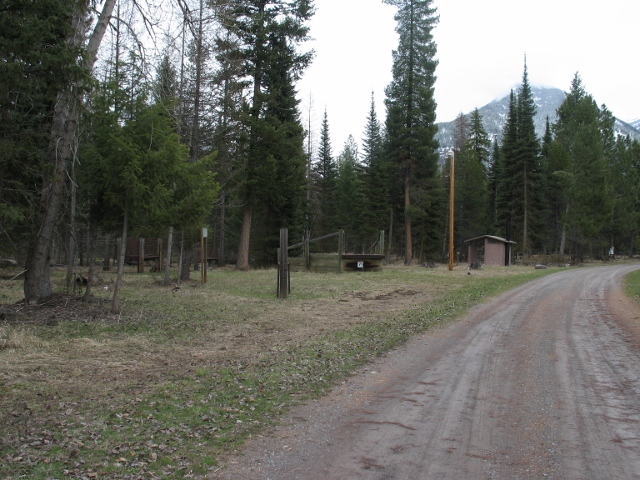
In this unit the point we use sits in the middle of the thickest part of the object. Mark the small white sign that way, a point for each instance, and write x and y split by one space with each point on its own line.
360 264
204 233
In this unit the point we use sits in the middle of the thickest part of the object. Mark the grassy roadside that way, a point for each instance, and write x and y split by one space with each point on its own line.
179 378
632 285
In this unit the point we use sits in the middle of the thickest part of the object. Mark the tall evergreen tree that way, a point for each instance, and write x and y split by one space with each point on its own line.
528 162
325 173
36 62
493 176
279 137
229 106
506 190
411 127
350 198
261 26
471 182
478 141
460 132
554 163
581 133
520 201
625 178
377 175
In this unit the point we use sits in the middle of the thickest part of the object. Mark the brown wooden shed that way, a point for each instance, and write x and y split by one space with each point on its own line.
490 250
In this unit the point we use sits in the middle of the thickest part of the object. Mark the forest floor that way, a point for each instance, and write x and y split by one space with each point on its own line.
182 377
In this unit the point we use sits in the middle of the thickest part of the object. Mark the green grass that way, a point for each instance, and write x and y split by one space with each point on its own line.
632 285
177 420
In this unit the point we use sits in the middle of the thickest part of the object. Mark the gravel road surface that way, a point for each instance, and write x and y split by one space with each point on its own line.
543 382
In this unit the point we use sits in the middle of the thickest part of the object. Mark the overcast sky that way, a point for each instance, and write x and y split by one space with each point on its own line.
481 48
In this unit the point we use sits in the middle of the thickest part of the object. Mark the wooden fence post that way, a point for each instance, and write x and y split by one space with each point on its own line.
283 264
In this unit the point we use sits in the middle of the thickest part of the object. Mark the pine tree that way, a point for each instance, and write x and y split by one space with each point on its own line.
377 173
625 179
471 182
229 107
411 127
493 176
520 185
137 172
278 141
506 189
36 63
325 174
529 166
350 198
261 27
479 142
581 133
552 192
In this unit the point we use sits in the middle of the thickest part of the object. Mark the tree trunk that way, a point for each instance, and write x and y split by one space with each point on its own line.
37 283
525 233
167 263
106 265
408 254
187 259
93 240
194 140
243 248
115 306
245 235
388 256
81 247
181 258
563 238
221 259
73 244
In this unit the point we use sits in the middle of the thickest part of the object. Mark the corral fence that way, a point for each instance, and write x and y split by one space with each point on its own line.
141 250
337 261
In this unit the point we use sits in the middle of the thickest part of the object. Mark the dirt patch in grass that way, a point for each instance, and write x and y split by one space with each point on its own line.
181 375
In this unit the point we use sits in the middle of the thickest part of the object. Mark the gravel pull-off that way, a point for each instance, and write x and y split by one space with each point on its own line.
543 382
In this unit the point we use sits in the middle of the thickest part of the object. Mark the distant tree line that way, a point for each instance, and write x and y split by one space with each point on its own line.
101 141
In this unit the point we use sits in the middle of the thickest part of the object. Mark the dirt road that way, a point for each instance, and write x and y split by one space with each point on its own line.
543 382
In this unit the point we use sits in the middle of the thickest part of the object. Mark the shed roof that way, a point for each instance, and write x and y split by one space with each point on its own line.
482 237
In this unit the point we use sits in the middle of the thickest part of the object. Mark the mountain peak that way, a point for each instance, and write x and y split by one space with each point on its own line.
494 117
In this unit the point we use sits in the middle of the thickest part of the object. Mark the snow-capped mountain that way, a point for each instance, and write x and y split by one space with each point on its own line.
547 100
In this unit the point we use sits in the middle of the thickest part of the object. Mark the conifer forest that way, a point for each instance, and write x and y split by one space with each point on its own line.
119 119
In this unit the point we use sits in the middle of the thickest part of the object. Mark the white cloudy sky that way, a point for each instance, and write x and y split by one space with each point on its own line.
481 48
